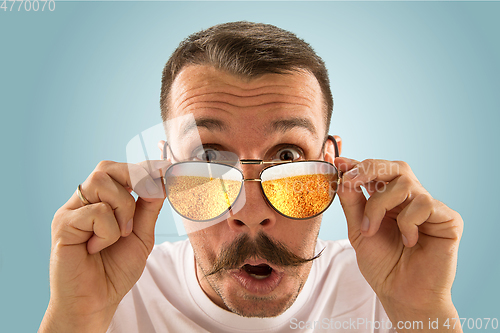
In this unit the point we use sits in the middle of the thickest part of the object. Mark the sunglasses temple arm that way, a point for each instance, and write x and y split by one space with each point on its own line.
335 145
165 145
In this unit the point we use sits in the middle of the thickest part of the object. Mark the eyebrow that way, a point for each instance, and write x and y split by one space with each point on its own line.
211 124
281 125
285 125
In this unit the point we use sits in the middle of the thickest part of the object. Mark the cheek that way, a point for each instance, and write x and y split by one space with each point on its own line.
199 227
208 241
299 235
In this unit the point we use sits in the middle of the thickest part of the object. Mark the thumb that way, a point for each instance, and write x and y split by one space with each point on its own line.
147 209
352 199
146 214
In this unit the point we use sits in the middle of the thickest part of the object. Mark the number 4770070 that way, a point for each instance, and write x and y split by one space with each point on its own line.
35 5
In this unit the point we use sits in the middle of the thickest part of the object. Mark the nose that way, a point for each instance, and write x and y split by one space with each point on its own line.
255 215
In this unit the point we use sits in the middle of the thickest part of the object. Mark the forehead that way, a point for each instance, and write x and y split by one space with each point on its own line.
223 102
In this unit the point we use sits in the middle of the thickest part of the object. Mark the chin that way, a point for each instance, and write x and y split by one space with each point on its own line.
259 306
250 297
262 308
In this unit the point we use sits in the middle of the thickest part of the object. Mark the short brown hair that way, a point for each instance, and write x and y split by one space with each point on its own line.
248 50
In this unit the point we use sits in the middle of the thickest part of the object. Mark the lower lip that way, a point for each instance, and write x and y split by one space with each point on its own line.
257 286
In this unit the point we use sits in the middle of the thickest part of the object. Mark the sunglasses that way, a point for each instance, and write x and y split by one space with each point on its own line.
203 191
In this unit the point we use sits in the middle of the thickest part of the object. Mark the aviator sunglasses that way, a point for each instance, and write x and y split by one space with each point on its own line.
202 191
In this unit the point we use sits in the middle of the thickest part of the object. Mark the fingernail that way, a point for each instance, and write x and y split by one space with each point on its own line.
128 229
151 187
352 173
405 241
365 224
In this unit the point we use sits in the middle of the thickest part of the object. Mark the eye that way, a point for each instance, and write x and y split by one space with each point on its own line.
213 154
288 154
206 154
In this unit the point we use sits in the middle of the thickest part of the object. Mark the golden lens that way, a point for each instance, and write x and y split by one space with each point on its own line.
206 191
300 196
202 198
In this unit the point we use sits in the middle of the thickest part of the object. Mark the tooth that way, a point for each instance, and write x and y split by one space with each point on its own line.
259 277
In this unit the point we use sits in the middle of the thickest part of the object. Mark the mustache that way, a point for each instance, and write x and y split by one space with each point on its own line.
234 255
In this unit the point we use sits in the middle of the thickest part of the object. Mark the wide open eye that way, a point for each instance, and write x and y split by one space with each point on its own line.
207 154
289 153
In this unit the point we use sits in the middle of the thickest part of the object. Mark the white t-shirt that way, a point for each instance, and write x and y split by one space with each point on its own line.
168 298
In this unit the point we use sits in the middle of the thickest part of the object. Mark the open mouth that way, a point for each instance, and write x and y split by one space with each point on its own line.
259 279
258 272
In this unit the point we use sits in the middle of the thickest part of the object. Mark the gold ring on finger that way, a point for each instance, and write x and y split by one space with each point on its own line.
80 195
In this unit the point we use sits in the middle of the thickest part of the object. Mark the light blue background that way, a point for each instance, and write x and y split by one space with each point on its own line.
412 81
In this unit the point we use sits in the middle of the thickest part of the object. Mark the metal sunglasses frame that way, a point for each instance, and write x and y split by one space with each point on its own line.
232 164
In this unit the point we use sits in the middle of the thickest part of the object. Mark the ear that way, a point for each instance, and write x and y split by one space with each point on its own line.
330 148
163 148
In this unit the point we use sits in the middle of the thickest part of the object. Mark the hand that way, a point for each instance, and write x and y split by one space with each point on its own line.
99 250
406 242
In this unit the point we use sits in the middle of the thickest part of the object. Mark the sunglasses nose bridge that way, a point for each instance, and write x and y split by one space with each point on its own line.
251 170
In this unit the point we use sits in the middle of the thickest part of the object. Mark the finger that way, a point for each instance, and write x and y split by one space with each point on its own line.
398 192
100 187
440 221
155 168
136 176
106 233
413 215
352 199
376 170
131 176
146 214
145 178
147 211
375 186
93 224
345 164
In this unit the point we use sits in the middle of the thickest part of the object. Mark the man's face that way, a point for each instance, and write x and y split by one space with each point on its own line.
271 117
